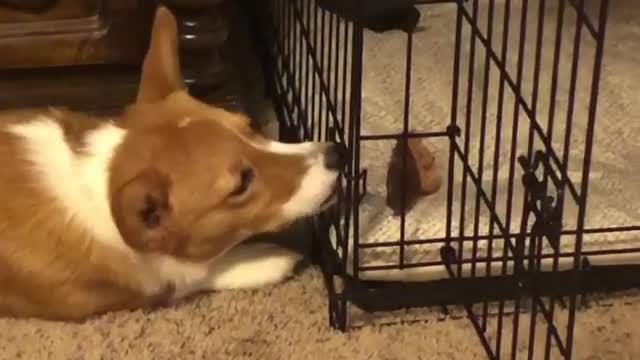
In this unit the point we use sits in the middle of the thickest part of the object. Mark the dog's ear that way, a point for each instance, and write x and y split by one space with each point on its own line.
144 216
161 73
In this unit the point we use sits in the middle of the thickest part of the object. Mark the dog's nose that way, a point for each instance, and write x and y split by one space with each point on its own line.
335 156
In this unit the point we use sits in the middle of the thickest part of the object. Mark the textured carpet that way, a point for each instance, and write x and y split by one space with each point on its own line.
289 321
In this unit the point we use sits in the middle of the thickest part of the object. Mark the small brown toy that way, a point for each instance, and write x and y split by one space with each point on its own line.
422 177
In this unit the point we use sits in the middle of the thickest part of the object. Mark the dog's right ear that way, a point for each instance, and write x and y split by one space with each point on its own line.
161 73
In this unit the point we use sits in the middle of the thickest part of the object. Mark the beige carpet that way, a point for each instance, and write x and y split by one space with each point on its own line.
289 321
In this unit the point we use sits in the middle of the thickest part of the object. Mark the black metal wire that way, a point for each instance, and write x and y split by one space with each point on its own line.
353 190
467 136
550 127
512 158
530 142
586 166
498 139
355 118
453 129
522 103
405 144
481 147
315 59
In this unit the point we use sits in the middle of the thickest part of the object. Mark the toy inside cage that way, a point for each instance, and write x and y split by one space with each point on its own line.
479 175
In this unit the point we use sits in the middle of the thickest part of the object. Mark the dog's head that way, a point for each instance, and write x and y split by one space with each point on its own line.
191 180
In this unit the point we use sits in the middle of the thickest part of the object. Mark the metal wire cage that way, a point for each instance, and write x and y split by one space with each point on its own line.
516 142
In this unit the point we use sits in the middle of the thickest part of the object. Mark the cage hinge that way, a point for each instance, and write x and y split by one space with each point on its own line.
546 209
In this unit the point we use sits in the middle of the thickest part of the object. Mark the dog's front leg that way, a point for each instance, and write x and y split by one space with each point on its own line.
252 265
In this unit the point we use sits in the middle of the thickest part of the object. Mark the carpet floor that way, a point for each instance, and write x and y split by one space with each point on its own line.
290 320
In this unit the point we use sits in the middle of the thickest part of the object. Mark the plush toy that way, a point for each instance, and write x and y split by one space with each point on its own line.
422 176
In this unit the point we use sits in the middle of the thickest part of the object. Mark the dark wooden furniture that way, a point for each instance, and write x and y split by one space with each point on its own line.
86 54
72 32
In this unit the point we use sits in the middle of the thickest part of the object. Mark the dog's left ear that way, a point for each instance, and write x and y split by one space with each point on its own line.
161 73
143 213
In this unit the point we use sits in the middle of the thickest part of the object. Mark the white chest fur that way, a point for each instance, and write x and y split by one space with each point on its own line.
77 181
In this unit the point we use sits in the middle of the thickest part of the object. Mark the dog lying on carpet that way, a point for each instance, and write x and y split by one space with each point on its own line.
100 215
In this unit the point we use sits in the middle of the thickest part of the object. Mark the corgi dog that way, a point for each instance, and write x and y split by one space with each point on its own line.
110 214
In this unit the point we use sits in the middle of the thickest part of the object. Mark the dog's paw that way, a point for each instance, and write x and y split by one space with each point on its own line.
254 265
163 298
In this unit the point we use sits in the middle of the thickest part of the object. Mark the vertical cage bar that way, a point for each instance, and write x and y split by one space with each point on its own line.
575 62
405 145
467 137
586 166
287 62
496 158
308 96
485 100
531 136
354 117
322 124
336 72
353 185
483 128
453 125
328 110
314 92
295 75
512 166
550 133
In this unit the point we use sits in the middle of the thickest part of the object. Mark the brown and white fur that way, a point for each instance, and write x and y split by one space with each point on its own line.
100 215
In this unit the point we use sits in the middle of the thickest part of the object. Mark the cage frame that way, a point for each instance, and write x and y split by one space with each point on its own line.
280 47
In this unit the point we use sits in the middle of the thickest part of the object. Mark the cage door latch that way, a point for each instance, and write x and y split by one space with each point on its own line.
546 209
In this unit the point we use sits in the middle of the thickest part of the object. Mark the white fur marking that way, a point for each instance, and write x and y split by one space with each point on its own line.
78 181
304 148
316 185
242 267
187 277
253 265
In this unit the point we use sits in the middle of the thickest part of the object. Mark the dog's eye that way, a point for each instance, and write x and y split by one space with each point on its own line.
246 179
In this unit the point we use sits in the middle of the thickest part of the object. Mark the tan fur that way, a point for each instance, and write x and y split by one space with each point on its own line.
44 260
51 267
161 57
164 145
